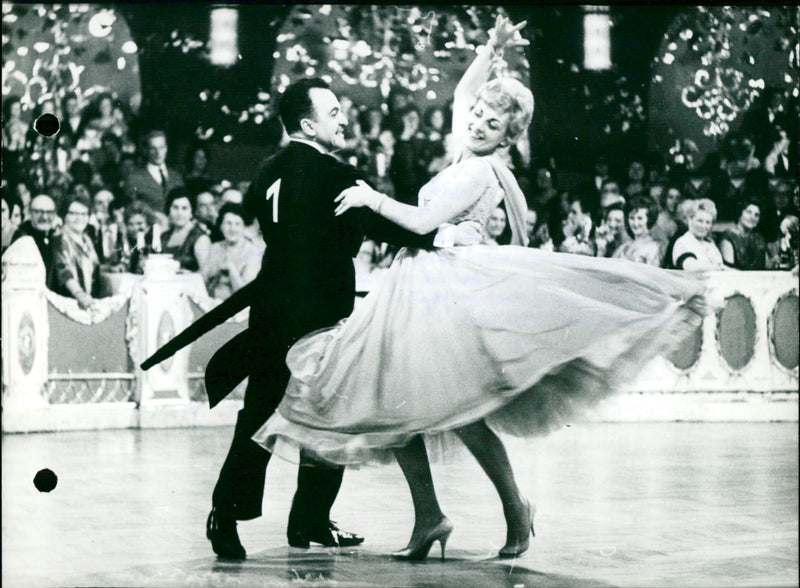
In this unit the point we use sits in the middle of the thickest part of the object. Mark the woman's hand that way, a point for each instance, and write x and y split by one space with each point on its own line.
85 301
359 195
505 34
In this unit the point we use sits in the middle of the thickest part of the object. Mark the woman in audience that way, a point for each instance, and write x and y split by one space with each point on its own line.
102 117
611 234
234 261
77 267
546 186
186 239
12 217
666 225
636 176
641 217
196 161
15 132
784 251
695 250
136 235
495 227
742 247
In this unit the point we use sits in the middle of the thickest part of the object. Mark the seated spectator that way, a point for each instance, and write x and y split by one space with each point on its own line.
636 179
435 132
695 250
101 228
666 225
186 239
236 260
495 227
546 186
408 170
12 218
682 213
784 251
777 162
102 116
550 233
610 194
642 213
107 160
741 246
136 234
531 224
206 212
611 233
578 228
72 122
23 194
155 180
42 226
76 269
195 168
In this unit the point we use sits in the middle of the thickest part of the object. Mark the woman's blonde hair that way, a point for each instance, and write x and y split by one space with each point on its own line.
509 95
705 205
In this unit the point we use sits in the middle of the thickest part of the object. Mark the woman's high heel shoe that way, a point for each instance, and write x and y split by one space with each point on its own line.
518 547
419 550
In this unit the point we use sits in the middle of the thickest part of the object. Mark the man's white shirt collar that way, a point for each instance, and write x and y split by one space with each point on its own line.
155 171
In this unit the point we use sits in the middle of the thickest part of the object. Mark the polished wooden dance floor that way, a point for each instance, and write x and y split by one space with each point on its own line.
682 504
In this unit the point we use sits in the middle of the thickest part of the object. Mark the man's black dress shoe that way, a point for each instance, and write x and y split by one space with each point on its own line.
224 537
330 537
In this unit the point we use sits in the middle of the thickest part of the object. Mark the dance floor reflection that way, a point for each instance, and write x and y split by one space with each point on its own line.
683 504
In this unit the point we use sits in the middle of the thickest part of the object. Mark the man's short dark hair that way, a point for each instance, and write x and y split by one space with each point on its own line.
295 103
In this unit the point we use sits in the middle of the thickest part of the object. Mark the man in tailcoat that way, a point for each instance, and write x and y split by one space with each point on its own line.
307 282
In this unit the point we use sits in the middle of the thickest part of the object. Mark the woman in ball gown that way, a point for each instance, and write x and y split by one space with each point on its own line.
473 340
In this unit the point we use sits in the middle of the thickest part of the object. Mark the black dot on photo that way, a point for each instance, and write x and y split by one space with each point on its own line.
46 125
45 480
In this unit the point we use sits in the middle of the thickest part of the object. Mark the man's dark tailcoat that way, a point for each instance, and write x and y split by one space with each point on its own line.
307 282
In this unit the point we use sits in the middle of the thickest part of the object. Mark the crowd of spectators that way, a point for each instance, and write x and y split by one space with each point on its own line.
101 195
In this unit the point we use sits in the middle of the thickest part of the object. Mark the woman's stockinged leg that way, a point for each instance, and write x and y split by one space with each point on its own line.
488 449
413 460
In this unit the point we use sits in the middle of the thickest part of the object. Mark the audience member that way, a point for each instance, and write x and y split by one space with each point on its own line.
741 246
15 133
531 224
186 239
784 251
495 227
195 168
666 225
641 217
610 235
42 227
12 217
71 127
76 268
234 261
546 186
695 250
636 182
207 212
102 116
136 236
578 228
408 169
153 182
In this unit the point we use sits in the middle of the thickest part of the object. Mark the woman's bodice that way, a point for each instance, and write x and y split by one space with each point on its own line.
443 184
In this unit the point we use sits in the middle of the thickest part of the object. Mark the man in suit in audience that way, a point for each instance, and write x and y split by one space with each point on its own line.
307 282
42 226
153 182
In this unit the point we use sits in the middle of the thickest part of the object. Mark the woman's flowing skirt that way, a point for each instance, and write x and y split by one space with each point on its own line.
526 339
